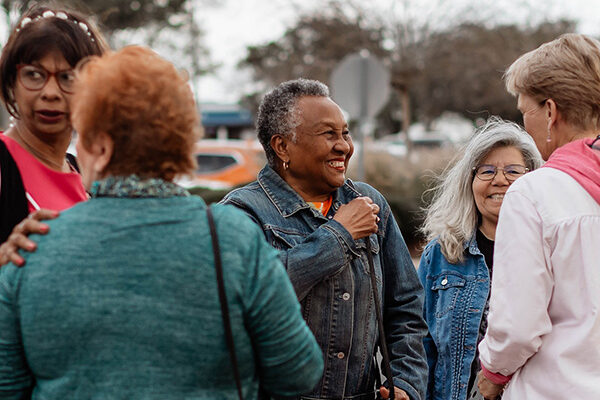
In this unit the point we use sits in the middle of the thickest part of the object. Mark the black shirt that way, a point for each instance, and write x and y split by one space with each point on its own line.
486 247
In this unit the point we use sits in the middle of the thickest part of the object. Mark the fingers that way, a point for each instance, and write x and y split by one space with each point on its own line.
359 217
43 214
16 259
30 225
8 253
384 392
375 208
368 201
399 394
18 239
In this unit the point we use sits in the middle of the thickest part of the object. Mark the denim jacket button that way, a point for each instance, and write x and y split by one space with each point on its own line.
444 281
346 296
340 355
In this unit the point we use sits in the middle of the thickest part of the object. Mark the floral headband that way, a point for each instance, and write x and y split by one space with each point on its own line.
60 15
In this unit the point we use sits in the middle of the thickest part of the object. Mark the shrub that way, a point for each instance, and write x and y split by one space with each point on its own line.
403 182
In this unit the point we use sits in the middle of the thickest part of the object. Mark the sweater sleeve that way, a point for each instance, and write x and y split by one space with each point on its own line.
522 287
289 358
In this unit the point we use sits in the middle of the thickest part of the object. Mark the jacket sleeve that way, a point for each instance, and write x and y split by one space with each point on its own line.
16 380
428 342
522 286
405 327
320 255
289 358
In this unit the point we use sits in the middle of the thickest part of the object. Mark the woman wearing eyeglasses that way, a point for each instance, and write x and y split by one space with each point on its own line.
543 337
36 85
456 265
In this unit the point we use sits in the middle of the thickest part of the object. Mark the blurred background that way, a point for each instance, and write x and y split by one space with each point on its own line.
445 57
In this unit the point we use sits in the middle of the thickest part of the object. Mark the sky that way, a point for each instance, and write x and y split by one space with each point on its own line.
235 24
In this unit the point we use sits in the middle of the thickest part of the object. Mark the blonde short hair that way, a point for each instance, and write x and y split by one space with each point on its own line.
566 70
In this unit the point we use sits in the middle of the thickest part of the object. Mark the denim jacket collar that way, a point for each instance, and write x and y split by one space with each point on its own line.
471 244
288 201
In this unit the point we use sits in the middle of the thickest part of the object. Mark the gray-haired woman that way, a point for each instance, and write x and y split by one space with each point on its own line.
321 222
456 266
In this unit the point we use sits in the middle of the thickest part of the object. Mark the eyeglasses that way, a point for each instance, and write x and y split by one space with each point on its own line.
34 77
511 172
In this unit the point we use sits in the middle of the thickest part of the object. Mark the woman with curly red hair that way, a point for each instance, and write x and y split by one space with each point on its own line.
120 300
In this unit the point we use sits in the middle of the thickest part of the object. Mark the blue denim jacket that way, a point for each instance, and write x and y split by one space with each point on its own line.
330 274
455 297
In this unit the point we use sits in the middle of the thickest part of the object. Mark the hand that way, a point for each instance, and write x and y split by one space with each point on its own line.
359 217
18 238
487 388
399 394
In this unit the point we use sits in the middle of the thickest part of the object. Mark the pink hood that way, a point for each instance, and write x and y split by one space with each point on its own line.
581 162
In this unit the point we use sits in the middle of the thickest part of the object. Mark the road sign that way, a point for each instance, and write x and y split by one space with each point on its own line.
360 84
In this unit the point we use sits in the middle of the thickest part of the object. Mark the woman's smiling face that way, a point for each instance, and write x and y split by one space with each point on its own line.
319 155
490 194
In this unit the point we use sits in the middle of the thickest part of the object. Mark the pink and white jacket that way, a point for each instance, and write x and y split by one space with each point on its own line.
544 320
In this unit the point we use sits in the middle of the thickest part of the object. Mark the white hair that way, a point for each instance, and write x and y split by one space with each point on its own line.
452 216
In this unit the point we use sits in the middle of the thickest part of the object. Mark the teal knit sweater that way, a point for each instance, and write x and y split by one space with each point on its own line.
120 302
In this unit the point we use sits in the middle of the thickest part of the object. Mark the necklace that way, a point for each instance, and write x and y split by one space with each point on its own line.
62 167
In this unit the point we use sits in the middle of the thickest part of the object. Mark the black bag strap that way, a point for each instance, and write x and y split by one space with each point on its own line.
223 301
73 162
13 202
382 341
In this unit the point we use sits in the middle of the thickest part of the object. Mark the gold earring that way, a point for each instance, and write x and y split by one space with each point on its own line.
286 165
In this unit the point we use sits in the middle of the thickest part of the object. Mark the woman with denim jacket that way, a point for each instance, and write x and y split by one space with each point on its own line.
456 265
320 221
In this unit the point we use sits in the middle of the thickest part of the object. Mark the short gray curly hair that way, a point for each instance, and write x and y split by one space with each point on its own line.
278 114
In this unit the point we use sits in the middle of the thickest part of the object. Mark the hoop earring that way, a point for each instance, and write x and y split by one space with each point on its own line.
286 165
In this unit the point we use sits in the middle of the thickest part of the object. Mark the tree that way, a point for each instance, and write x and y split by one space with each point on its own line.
179 39
159 24
463 68
313 47
112 14
456 67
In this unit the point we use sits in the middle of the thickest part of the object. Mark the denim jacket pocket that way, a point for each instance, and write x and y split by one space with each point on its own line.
284 239
447 287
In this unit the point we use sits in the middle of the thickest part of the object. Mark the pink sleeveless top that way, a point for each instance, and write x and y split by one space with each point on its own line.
46 188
